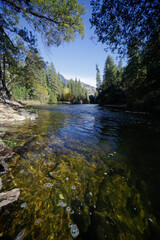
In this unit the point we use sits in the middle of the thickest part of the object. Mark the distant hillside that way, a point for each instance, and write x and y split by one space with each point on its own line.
91 89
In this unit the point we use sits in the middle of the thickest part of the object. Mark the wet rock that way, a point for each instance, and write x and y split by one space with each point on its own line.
3 167
62 204
5 151
74 231
10 113
48 185
9 197
0 184
28 114
2 134
20 235
24 205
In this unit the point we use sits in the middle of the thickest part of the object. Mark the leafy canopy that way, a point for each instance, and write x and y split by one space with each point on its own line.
124 24
56 20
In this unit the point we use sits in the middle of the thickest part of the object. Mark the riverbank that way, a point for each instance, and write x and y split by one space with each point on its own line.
154 111
38 103
11 112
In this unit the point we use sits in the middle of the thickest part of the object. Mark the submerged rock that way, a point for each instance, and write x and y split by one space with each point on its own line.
20 235
74 231
28 114
5 151
9 197
24 205
3 167
62 204
48 185
0 184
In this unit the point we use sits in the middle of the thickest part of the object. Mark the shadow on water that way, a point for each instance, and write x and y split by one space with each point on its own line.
84 172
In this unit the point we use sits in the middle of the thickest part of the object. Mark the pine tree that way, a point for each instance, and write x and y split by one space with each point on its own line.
109 72
98 79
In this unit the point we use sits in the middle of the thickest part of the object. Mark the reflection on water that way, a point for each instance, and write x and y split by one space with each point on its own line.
86 173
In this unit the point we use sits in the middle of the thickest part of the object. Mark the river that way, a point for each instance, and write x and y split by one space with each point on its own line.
84 172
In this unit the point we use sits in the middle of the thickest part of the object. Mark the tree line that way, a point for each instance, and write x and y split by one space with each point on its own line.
29 77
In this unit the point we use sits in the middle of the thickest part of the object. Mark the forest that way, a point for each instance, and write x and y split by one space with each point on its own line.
30 78
132 29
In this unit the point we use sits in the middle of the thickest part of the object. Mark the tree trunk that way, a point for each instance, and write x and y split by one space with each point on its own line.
4 75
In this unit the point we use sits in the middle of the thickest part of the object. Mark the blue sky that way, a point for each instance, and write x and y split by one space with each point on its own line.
78 58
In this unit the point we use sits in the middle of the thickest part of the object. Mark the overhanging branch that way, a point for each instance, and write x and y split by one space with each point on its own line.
30 11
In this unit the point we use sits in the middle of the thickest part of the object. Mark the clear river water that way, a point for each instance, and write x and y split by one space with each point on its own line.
84 172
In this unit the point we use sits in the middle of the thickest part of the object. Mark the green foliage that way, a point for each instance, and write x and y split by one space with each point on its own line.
111 87
42 94
38 80
123 25
132 28
20 93
52 96
98 79
57 21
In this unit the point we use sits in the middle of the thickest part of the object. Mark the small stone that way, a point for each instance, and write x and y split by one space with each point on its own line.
70 224
74 231
90 193
150 219
62 204
38 220
73 187
68 209
105 173
20 235
48 185
24 205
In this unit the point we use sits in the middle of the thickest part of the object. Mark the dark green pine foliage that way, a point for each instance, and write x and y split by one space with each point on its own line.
52 83
59 87
98 79
75 92
111 88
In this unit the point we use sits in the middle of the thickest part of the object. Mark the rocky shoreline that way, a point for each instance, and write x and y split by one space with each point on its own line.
11 112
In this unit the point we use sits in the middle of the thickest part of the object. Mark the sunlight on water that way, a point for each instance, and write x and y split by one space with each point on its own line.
85 173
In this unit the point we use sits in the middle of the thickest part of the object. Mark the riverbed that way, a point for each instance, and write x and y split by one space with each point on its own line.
84 172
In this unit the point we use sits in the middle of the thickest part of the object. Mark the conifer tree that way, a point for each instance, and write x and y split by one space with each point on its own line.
98 79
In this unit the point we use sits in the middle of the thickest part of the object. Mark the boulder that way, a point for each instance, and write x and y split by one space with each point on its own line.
9 197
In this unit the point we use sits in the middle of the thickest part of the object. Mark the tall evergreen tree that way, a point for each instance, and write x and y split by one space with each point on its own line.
109 76
98 79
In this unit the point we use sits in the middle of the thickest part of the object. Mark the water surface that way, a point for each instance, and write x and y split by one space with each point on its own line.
84 172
